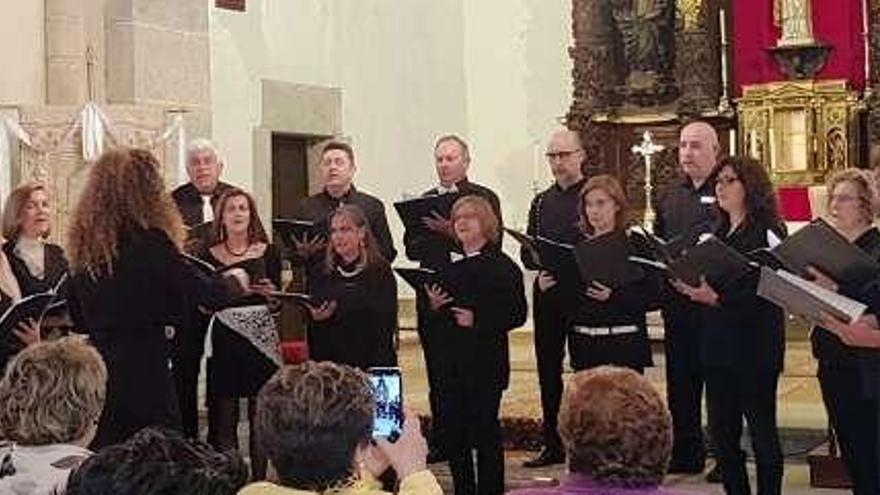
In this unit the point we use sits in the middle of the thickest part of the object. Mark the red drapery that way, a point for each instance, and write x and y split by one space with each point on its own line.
835 22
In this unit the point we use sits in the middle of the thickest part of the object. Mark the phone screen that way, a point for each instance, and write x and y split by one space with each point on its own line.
388 393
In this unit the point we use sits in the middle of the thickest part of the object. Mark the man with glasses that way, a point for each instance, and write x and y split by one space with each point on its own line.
554 215
686 209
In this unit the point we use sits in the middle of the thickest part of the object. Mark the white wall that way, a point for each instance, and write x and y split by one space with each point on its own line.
24 57
495 71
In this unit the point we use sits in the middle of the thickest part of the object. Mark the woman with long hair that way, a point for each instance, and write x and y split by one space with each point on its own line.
743 340
244 338
131 287
355 319
609 323
481 299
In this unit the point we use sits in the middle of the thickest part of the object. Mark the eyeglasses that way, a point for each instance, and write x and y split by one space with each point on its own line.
726 181
842 198
552 155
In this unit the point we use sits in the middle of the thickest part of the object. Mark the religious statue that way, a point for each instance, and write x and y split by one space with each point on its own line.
647 31
794 17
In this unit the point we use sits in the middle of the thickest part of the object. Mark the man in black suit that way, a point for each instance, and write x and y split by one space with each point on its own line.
452 160
195 200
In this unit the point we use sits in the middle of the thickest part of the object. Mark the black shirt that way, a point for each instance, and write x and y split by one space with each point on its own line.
434 251
55 265
189 202
827 347
686 212
744 331
319 206
554 215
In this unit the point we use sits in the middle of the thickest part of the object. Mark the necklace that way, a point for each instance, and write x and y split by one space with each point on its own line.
233 253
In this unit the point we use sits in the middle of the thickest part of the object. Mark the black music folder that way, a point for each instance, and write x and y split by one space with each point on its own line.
822 247
806 299
605 259
292 230
413 211
299 298
34 306
549 254
711 258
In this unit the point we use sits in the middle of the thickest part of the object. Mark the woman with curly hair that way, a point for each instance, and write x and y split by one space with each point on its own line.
129 284
742 335
50 399
617 435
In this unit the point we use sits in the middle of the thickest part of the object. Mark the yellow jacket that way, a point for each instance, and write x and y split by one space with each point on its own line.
419 483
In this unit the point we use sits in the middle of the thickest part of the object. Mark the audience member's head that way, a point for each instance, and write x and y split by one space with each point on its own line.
125 193
154 462
52 393
615 428
203 165
313 418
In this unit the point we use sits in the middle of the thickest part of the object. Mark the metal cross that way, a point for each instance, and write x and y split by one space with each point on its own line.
647 149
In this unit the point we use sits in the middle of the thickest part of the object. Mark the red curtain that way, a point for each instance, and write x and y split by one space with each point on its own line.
835 22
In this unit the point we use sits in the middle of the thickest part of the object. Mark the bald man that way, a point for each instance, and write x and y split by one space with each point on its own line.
554 215
685 210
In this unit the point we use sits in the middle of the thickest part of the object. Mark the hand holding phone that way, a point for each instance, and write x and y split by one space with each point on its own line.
388 393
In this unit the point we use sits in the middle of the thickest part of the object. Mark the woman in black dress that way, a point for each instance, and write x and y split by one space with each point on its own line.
131 287
355 320
481 297
850 377
609 324
244 340
742 341
38 265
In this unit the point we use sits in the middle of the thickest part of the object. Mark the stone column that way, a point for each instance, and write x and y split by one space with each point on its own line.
697 58
65 52
873 79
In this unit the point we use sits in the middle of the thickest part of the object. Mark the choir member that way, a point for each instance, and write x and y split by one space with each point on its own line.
553 214
452 160
195 200
609 325
130 283
38 265
355 320
687 207
244 346
481 299
849 377
743 341
337 172
26 334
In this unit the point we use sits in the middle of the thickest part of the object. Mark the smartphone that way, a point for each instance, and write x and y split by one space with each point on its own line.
388 392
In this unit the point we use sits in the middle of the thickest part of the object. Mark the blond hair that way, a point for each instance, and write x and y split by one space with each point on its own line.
489 222
52 392
124 193
615 427
13 207
864 183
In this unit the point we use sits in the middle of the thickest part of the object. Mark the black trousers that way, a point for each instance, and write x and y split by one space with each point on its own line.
470 421
854 419
731 396
188 346
550 313
427 338
684 383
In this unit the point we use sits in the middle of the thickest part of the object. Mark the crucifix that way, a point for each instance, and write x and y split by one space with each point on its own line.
647 149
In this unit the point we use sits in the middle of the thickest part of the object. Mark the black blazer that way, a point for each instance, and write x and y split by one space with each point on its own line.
491 285
55 267
744 331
